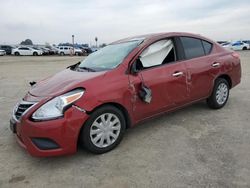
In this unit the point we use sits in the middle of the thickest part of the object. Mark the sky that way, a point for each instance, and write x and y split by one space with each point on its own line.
55 21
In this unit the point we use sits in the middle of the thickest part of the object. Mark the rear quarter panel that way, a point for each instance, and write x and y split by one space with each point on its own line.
230 66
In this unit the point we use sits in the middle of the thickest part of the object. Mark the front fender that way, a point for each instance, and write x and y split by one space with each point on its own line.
117 98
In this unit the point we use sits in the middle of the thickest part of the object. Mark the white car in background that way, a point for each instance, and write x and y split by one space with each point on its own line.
236 46
26 51
68 50
2 52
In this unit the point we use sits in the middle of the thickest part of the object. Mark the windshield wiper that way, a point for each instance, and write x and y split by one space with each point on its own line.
86 68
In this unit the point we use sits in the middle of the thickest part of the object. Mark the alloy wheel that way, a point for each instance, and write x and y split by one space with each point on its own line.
221 93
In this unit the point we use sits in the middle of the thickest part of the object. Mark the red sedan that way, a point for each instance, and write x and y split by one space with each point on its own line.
94 101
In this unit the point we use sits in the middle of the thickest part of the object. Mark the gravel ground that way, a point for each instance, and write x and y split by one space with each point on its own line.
192 147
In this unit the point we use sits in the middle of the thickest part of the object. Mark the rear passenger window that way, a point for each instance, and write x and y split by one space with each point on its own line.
207 47
192 47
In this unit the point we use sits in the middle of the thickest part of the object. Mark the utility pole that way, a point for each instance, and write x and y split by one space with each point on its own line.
96 39
73 42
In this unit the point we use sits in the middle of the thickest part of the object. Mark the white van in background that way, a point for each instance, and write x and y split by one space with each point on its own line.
68 50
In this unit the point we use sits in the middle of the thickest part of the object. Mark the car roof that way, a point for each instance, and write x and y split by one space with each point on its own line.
155 36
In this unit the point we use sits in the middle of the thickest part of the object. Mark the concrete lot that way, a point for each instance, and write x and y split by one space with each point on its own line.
192 147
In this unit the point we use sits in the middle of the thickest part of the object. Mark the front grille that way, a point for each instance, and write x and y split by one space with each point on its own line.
21 108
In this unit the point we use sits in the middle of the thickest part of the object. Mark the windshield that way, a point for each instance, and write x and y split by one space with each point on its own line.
110 56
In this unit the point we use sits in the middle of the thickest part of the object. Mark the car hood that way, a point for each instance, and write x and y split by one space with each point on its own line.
62 82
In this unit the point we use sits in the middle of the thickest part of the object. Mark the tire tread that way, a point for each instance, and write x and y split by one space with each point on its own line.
211 101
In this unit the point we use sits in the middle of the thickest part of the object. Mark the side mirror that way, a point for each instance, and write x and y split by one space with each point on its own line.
74 66
134 66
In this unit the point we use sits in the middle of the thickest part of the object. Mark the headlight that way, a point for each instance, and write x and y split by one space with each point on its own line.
56 107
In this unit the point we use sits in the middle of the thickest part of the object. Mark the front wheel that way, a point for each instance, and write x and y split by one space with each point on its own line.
104 130
219 95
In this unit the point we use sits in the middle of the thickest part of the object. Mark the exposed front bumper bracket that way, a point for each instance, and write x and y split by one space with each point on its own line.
78 108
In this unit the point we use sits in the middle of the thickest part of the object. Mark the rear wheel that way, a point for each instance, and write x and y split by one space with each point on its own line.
35 54
61 53
219 95
104 130
17 53
244 48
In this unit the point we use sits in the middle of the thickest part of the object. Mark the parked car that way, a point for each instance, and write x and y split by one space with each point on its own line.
226 44
221 42
44 51
2 52
6 48
64 50
236 46
52 51
94 49
246 41
239 45
78 51
94 101
86 50
26 51
68 50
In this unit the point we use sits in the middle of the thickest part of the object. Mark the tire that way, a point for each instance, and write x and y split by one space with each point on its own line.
244 48
91 132
220 94
17 53
35 54
77 54
61 53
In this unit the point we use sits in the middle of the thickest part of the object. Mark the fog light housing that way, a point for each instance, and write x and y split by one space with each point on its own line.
45 143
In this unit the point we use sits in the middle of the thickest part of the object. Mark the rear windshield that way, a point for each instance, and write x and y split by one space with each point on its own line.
110 56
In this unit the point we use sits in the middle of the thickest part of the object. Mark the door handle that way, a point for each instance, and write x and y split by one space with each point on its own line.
176 74
215 64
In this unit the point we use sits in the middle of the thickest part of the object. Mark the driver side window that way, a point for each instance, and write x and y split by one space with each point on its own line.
156 54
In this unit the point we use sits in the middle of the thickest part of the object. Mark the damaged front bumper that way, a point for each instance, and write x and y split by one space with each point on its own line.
52 137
